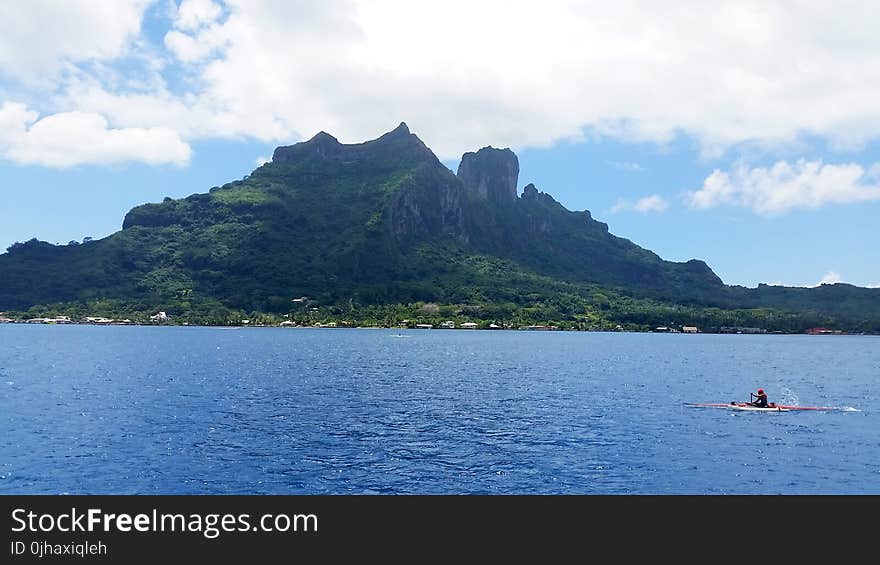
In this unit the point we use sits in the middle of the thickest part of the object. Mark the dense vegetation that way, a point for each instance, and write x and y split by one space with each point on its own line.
381 232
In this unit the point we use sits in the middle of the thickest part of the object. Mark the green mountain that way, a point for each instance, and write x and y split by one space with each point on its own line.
382 228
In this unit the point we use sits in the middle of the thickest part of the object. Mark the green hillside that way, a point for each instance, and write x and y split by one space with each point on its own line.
377 231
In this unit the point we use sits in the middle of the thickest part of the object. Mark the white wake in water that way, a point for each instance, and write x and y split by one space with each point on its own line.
790 398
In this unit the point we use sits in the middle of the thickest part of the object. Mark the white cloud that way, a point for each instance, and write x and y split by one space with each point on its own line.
188 48
195 37
520 74
785 186
505 73
647 205
260 161
14 119
830 278
192 14
74 138
39 37
626 166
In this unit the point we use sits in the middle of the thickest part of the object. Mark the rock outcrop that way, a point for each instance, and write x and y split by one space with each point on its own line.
384 152
490 174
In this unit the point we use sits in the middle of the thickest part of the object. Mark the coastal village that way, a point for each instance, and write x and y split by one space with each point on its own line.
162 318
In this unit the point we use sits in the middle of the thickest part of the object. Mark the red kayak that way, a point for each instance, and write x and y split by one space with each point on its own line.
772 407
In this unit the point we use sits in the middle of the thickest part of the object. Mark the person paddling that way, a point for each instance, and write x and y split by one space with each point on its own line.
760 399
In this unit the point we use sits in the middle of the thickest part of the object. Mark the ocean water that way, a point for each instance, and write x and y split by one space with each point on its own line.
186 410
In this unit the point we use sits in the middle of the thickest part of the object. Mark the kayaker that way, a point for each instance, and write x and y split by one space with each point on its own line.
760 398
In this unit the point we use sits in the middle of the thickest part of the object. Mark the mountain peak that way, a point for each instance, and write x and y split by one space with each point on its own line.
401 132
491 174
399 141
322 137
322 144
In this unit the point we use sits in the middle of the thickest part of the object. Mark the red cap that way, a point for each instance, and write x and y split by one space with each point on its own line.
760 391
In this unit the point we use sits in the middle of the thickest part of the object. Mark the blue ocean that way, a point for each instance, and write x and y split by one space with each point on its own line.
190 410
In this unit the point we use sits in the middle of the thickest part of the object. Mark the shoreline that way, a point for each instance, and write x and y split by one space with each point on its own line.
423 329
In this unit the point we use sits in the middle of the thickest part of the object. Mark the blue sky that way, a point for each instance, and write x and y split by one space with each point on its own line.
756 151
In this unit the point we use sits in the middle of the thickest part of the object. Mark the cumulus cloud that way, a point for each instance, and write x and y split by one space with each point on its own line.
195 37
829 278
14 119
655 204
785 186
502 73
191 117
192 14
520 74
192 48
39 37
75 138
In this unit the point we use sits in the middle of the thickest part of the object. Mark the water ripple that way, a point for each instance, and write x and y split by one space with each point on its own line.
201 410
